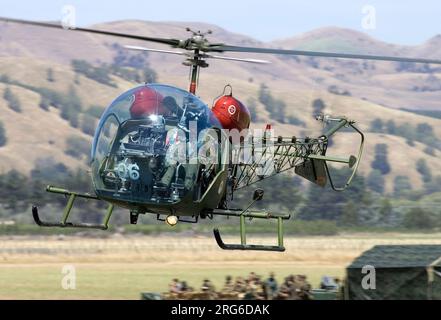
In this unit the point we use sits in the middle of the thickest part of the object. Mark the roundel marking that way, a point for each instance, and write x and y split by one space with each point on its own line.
232 109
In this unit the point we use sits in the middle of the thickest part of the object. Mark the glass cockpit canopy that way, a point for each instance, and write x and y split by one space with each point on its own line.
141 151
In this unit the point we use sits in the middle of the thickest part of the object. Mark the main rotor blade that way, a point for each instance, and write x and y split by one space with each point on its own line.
153 50
139 48
171 42
227 48
239 59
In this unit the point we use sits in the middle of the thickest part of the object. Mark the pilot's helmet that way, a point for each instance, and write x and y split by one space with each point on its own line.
146 101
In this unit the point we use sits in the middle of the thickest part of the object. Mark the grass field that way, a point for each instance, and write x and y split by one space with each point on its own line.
121 267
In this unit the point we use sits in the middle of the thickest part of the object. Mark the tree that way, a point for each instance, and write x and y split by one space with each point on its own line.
381 162
390 127
77 78
5 78
12 100
318 106
13 190
7 93
77 147
375 181
73 120
424 130
50 75
418 218
433 186
95 111
252 107
281 193
275 107
71 107
424 170
99 74
149 75
73 100
3 138
377 125
430 151
326 204
402 186
406 130
44 103
385 212
295 121
349 215
88 125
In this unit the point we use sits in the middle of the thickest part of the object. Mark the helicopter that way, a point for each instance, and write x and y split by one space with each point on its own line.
161 150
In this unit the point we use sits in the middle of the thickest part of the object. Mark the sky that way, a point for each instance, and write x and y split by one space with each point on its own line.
396 21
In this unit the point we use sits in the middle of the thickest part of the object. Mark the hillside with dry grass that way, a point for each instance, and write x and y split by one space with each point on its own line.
373 89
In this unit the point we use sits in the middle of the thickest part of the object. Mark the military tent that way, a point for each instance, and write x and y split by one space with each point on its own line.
400 272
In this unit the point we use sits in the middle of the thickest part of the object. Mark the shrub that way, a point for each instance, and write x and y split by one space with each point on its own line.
377 125
44 103
95 111
318 106
402 186
77 147
275 107
3 138
375 181
381 162
99 74
418 218
430 151
424 170
50 75
88 125
12 100
252 107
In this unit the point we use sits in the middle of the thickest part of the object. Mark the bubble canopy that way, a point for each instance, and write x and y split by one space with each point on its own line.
134 148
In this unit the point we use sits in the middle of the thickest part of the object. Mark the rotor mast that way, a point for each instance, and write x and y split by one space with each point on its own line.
194 72
195 60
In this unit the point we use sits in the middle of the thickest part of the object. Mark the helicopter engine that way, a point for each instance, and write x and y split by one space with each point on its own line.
231 113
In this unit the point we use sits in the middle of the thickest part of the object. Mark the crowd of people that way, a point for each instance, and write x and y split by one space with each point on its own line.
252 287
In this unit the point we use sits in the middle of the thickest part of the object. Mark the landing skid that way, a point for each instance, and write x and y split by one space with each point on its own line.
225 246
243 242
64 223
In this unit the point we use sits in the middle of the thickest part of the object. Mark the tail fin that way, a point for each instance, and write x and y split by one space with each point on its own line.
313 170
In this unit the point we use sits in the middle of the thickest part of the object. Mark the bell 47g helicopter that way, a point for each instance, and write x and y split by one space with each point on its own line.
159 149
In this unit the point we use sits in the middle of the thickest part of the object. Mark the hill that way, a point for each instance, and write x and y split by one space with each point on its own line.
364 91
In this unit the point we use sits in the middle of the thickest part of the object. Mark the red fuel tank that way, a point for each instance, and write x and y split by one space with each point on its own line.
231 113
146 101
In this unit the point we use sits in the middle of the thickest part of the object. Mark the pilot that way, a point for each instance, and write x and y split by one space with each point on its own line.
193 112
173 108
177 150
